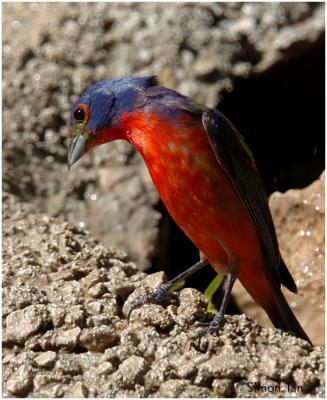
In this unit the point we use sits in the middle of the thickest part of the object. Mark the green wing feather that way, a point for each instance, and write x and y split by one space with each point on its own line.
234 156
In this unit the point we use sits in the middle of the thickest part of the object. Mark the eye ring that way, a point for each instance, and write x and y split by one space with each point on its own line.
81 113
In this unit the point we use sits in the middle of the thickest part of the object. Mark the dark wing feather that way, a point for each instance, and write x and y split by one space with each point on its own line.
236 159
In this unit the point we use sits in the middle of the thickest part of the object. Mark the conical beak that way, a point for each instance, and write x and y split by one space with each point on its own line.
76 149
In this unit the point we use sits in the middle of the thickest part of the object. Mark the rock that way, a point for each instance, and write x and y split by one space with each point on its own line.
222 387
92 279
49 385
68 365
21 381
75 315
57 314
66 338
96 290
181 388
46 359
187 370
63 274
133 370
299 217
305 379
23 323
150 283
79 390
192 304
153 315
105 368
154 281
97 339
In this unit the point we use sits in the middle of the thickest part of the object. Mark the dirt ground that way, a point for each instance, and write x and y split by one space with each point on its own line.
65 302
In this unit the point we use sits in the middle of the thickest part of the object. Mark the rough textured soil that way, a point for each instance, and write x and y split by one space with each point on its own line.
65 302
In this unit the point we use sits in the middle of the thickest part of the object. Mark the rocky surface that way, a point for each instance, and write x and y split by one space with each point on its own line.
198 49
65 301
299 217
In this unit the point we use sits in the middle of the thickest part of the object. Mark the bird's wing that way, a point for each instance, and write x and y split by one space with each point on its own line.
234 156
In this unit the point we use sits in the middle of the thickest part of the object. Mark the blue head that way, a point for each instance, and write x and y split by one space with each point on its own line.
100 108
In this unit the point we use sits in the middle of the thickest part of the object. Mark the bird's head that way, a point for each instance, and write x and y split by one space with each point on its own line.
95 118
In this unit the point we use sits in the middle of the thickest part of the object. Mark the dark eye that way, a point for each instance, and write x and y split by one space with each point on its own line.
79 115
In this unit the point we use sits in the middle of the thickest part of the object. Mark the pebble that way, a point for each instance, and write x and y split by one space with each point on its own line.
46 359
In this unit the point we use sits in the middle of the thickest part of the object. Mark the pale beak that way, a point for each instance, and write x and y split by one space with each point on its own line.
76 149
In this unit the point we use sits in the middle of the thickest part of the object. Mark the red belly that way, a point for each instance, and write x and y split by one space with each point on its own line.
197 192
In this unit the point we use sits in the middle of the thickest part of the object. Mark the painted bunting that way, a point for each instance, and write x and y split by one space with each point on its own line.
205 175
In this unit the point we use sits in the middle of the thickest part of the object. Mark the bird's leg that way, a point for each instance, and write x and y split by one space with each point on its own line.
190 271
218 321
163 295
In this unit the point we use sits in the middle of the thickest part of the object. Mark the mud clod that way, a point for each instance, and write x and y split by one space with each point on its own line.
133 370
97 339
23 323
21 381
46 359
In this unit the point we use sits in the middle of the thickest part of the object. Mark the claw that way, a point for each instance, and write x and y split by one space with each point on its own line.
162 296
211 327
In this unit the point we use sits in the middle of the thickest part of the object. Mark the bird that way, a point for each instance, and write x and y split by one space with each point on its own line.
207 178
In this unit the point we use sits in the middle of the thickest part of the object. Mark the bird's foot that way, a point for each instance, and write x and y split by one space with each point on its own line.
213 326
162 296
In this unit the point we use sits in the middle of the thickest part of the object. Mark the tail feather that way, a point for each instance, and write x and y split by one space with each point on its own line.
286 278
265 289
283 317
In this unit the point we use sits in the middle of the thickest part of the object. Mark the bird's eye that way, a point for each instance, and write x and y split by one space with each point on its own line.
79 115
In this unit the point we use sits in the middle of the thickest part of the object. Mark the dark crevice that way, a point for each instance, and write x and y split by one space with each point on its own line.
27 55
120 304
281 114
247 52
79 350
